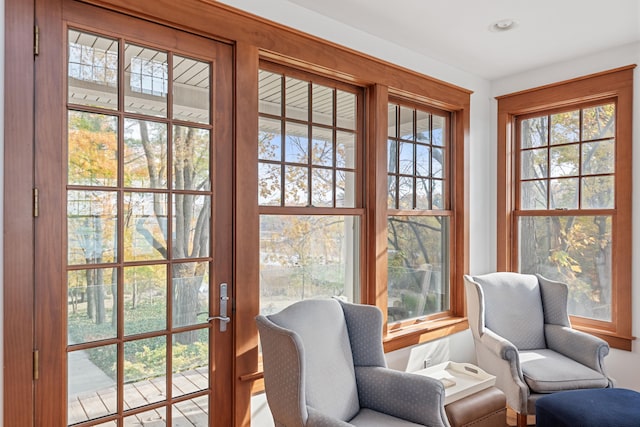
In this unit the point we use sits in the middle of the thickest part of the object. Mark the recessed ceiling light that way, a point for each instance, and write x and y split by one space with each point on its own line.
503 25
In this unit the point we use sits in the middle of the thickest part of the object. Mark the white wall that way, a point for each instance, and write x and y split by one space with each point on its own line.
621 365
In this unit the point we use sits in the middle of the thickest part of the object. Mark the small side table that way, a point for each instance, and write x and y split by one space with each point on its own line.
471 400
485 408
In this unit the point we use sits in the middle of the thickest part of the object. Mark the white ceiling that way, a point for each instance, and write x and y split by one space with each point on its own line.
456 32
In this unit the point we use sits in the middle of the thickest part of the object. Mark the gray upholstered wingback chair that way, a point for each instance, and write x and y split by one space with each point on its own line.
324 366
523 336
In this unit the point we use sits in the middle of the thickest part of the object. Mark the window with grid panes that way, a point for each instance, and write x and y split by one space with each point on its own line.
567 202
310 187
565 191
419 214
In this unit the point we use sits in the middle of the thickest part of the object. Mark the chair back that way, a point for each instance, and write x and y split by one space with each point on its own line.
327 361
513 308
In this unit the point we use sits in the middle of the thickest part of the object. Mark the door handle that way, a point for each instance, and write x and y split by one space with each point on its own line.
222 317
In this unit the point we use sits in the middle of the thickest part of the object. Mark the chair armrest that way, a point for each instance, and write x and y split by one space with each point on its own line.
577 345
499 357
404 395
501 347
319 419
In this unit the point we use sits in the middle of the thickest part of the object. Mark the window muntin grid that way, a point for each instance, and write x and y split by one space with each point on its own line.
139 203
567 159
308 146
417 159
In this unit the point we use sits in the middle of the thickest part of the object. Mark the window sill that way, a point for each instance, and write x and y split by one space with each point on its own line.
423 332
615 340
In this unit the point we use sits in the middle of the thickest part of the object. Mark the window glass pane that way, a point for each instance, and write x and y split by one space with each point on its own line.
346 110
270 93
575 250
321 146
269 139
564 160
156 418
145 299
423 160
345 189
145 369
345 150
296 148
190 362
322 104
563 193
269 184
406 123
565 127
322 187
92 70
93 149
391 117
405 151
296 186
92 312
91 227
92 390
598 192
392 156
405 192
438 162
534 164
190 287
438 199
145 228
191 224
439 131
533 195
392 199
423 193
306 257
193 412
297 99
418 266
191 90
534 132
598 157
191 158
145 154
423 133
146 76
599 122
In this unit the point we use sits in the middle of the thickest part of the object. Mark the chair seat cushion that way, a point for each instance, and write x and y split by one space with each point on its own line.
547 371
609 407
370 418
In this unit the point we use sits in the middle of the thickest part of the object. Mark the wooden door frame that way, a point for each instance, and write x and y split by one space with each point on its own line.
18 227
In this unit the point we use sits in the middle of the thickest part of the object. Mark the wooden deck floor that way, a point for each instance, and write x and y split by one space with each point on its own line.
189 413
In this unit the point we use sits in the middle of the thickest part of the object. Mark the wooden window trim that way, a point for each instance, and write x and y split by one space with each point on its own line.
613 84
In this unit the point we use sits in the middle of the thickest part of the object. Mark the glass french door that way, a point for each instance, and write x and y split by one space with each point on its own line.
133 233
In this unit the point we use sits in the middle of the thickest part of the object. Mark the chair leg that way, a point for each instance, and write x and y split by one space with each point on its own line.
521 420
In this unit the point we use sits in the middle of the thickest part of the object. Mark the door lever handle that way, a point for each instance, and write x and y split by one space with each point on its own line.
223 318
